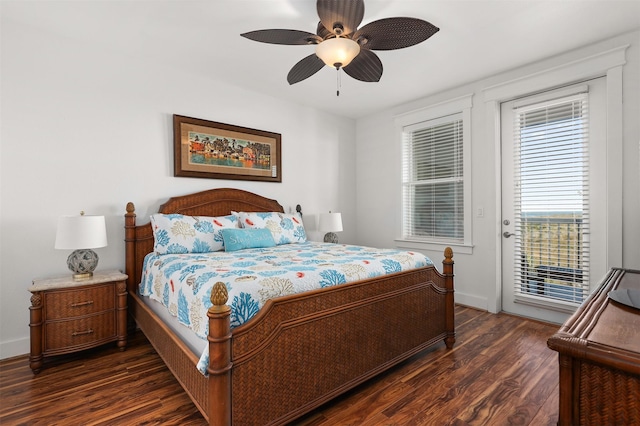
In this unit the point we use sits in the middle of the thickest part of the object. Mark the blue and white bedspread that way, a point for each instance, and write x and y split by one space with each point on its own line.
183 282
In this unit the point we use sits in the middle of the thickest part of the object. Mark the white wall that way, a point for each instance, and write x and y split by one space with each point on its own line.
378 174
87 129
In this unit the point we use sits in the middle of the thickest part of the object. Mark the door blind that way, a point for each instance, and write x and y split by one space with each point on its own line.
551 200
433 180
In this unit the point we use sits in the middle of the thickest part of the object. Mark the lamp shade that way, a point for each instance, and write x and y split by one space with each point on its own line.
337 52
330 222
81 232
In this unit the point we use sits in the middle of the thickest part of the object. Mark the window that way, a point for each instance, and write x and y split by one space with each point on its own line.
435 175
432 182
551 201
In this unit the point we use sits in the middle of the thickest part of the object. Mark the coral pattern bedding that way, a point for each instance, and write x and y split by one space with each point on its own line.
183 282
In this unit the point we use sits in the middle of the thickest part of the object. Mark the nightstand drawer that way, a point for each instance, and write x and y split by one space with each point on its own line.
83 331
77 302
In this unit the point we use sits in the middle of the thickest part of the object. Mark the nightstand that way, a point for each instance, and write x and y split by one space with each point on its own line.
68 315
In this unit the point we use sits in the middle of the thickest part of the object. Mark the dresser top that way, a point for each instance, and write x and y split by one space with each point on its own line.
67 281
618 325
602 329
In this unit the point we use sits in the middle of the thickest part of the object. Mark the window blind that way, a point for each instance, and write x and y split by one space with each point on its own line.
551 200
432 165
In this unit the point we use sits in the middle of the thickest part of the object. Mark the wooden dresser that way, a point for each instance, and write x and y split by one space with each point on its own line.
599 356
69 316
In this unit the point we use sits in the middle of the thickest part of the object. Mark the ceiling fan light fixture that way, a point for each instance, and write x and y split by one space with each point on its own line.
337 52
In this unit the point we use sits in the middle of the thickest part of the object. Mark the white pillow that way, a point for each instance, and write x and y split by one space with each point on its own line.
285 228
176 233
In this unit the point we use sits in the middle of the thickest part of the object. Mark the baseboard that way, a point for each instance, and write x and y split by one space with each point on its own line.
13 348
471 300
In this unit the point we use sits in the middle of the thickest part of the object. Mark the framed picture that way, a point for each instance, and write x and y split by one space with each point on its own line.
207 149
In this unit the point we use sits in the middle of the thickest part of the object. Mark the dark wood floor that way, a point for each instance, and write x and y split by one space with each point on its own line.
500 372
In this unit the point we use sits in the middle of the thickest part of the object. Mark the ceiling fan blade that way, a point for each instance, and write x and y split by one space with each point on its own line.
305 69
345 15
365 67
394 33
290 37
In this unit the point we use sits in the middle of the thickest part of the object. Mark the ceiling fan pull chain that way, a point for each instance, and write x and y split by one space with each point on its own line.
338 82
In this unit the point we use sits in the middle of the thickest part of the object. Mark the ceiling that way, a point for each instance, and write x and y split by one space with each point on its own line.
477 38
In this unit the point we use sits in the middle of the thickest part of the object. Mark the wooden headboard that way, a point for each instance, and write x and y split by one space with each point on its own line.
214 202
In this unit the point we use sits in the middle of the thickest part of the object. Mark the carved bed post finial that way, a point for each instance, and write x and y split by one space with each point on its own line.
448 255
219 356
219 296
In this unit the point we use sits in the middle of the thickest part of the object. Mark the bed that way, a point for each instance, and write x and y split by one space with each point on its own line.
301 350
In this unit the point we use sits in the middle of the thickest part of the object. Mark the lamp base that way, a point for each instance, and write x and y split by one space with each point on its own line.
80 277
82 263
331 237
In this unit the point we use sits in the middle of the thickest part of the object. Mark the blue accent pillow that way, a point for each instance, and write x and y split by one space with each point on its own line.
238 239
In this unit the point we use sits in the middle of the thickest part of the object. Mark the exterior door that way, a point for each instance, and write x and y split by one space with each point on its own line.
553 200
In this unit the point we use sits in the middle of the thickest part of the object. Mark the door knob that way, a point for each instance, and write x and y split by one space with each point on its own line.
507 234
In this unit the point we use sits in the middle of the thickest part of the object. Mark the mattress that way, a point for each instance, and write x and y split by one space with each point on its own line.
191 339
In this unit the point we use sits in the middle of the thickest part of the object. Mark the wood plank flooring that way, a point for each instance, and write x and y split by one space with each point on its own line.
500 372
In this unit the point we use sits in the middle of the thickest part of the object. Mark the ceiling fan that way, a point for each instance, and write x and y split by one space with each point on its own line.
340 44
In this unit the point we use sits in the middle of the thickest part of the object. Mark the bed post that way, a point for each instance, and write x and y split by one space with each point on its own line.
447 269
130 247
219 357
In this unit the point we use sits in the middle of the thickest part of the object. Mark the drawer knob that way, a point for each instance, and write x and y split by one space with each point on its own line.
80 333
77 305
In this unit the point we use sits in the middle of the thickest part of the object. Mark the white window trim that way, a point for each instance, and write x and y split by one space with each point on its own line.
458 105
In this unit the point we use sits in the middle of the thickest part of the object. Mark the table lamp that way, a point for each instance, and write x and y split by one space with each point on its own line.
330 223
81 234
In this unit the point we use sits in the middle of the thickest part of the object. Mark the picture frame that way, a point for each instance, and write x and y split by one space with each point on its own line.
207 149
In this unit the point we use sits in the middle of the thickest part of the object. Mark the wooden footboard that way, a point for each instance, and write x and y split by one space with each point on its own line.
299 351
302 351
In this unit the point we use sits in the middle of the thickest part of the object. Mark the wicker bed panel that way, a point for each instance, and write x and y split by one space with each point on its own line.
362 342
218 202
272 314
608 396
